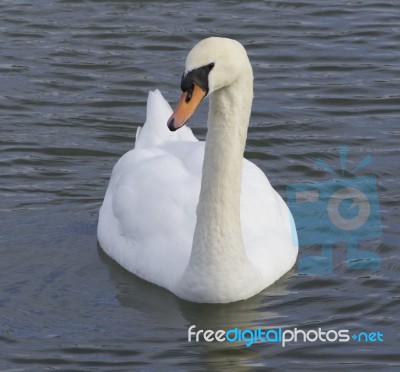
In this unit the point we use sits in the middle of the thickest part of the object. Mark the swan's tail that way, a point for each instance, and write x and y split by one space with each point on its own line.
155 131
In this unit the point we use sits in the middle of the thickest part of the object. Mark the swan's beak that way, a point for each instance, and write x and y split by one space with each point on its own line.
188 104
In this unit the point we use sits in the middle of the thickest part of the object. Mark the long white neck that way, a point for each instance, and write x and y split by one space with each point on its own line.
218 231
218 252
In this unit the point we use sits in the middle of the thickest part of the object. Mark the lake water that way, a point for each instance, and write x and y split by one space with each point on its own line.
74 79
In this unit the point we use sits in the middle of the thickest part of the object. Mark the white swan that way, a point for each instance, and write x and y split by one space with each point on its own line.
194 217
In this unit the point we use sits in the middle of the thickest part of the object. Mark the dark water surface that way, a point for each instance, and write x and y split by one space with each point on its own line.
74 79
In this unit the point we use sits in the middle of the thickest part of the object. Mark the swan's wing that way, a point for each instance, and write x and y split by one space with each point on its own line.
147 219
155 131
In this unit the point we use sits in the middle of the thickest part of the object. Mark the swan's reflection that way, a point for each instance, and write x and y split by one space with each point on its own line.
167 311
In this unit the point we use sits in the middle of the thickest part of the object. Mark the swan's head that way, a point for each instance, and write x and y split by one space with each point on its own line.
212 64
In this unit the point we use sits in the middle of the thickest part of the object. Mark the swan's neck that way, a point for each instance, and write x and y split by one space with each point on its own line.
218 249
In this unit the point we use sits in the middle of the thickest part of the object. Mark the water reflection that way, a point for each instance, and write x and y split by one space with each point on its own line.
174 316
165 308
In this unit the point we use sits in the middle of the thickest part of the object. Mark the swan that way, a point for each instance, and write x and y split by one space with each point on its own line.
196 217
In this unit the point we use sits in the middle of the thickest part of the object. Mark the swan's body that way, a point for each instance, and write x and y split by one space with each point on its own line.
194 217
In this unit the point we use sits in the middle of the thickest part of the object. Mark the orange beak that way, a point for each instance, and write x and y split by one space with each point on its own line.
186 107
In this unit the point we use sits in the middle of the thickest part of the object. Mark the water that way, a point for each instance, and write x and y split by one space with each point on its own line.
74 78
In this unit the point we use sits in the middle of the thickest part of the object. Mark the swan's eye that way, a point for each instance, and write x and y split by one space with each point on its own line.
189 94
198 76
